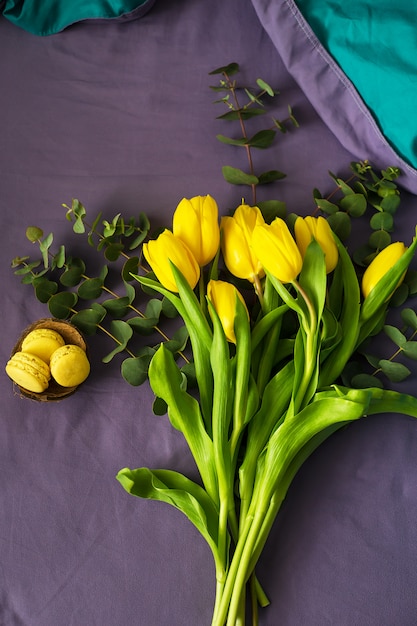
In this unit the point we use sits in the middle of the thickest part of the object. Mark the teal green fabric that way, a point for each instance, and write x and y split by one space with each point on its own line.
375 44
46 17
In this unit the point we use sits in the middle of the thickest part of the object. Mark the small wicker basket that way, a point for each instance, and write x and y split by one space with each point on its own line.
71 335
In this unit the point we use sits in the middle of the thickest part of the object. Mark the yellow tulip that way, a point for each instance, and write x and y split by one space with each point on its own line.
237 249
222 295
276 249
318 228
380 266
159 252
195 221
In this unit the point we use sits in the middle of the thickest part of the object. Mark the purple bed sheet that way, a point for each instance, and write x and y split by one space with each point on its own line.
121 117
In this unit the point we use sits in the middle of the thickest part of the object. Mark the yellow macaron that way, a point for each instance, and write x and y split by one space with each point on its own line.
42 342
69 365
28 371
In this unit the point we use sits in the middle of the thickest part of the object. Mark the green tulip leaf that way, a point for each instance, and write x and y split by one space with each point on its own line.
178 491
184 413
236 176
347 312
313 276
61 304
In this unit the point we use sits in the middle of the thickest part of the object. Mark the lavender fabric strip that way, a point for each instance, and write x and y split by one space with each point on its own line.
329 90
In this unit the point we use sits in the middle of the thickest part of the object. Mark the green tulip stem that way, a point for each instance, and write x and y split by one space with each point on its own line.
309 330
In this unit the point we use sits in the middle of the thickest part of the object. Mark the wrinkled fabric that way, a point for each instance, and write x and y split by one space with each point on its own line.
46 17
367 101
375 44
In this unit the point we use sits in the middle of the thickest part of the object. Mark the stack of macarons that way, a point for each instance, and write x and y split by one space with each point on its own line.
44 357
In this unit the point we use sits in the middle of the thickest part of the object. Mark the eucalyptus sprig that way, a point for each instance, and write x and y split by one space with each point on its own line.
62 283
253 107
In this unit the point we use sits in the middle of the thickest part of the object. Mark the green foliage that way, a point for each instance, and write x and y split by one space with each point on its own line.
253 107
62 283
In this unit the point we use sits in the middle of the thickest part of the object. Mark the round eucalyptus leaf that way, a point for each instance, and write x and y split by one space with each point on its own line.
143 325
117 307
159 407
409 317
380 239
135 369
400 295
44 289
113 251
340 224
410 349
271 209
168 309
90 289
396 372
130 267
354 203
363 381
61 304
33 233
382 221
87 320
73 273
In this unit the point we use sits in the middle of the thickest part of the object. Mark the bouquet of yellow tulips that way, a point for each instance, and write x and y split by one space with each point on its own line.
268 358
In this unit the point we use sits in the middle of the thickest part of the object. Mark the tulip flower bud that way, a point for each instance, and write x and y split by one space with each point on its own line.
195 221
276 249
168 248
318 228
222 295
380 266
237 249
